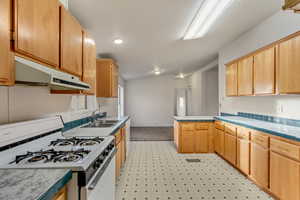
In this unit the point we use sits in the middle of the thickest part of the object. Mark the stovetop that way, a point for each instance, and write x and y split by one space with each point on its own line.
77 141
57 151
51 155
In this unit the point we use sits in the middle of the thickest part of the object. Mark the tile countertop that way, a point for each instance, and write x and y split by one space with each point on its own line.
288 132
32 184
195 118
101 132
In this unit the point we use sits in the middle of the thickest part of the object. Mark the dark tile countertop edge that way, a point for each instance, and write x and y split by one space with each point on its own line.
119 125
280 134
54 189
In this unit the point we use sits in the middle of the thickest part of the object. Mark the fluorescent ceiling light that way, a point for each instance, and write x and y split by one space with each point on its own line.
208 13
118 41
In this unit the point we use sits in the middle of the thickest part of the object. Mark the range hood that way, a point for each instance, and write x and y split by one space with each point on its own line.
35 74
292 5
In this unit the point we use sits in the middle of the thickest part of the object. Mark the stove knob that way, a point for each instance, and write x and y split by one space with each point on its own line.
106 151
96 165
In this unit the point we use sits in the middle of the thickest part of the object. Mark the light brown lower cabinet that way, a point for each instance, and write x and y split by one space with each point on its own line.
201 141
230 148
284 177
259 170
187 142
243 155
118 160
219 141
61 195
193 137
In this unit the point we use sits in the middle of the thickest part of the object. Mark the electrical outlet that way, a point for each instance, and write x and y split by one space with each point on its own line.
280 108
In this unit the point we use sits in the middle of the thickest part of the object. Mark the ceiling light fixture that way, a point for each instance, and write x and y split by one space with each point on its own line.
118 41
209 11
181 75
157 72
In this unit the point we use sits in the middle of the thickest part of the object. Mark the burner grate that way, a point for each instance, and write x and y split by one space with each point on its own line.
77 141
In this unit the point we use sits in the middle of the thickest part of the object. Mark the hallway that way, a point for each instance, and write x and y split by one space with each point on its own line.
154 171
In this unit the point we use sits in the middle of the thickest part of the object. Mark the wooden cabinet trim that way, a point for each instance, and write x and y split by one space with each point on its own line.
260 139
230 129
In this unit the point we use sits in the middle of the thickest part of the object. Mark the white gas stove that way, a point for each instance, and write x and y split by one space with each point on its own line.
41 144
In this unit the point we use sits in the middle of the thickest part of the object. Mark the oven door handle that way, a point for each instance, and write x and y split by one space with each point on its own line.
102 170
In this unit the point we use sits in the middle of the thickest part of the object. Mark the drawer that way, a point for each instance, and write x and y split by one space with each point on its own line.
118 136
260 139
219 125
243 133
230 129
202 126
187 126
284 148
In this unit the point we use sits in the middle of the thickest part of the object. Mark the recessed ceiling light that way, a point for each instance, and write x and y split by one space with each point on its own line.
118 41
181 75
157 72
208 13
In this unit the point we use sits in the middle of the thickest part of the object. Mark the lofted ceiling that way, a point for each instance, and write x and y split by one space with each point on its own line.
152 31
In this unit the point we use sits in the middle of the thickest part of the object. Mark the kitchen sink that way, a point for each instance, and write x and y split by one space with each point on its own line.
101 124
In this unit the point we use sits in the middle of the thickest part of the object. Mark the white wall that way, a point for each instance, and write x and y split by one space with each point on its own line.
150 101
277 26
204 90
20 103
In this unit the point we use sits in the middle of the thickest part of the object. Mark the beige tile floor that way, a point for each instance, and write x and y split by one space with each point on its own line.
154 171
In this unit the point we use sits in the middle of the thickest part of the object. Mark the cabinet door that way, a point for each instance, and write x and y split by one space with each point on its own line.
71 44
6 56
243 155
284 177
61 195
259 167
187 142
231 80
37 30
288 68
219 142
176 134
230 148
114 80
89 63
201 141
264 72
118 159
245 77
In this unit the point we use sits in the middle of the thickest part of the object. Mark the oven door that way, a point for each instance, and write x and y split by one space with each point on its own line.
103 185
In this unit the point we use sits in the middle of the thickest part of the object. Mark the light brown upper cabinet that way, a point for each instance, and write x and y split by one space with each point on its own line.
231 80
71 44
245 76
89 63
6 56
36 30
264 72
107 78
288 68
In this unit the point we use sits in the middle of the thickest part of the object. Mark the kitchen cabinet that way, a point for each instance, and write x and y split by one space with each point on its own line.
71 44
201 141
61 195
230 148
6 56
231 80
264 72
243 150
288 66
219 140
123 142
89 63
245 76
107 78
259 167
187 142
193 137
36 30
118 159
284 177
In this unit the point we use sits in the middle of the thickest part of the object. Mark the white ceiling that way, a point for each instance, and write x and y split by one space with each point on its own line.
152 31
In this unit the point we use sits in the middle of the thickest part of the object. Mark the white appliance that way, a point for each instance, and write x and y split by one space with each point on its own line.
35 74
41 144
